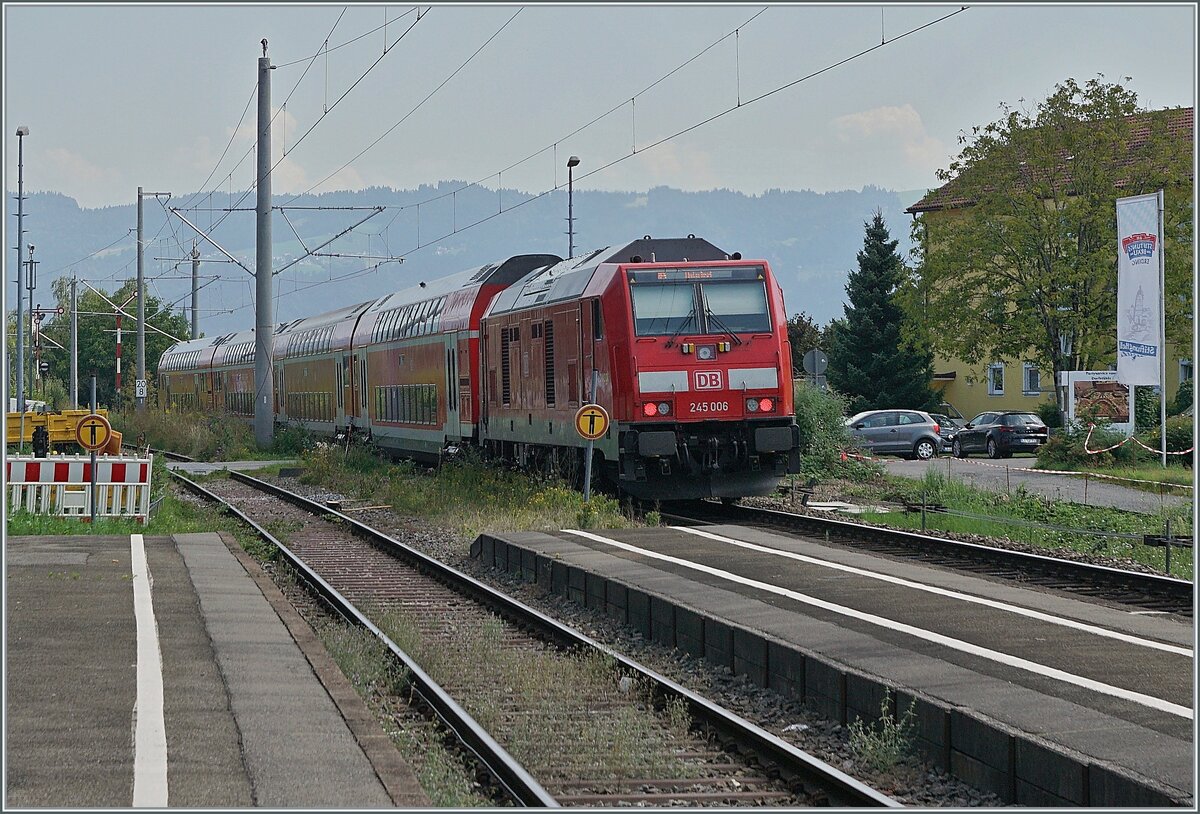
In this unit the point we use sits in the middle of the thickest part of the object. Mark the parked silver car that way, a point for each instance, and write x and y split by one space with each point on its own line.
907 433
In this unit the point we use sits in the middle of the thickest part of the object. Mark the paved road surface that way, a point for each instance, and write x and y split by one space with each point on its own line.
1011 472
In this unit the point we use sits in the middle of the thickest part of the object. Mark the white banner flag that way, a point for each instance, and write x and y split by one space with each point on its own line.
1139 293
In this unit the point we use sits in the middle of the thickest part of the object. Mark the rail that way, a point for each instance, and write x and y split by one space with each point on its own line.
842 789
507 771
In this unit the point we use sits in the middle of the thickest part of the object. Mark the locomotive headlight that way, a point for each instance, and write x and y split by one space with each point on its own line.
664 408
752 405
650 408
706 353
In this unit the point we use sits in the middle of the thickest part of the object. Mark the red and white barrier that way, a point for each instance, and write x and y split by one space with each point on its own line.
61 485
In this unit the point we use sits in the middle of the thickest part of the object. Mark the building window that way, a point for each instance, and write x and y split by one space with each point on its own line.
996 379
1185 370
1031 380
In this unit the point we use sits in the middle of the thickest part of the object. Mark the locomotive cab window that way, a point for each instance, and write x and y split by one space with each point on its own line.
663 309
699 301
740 307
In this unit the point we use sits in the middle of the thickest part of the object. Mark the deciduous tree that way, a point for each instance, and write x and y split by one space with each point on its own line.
97 338
803 336
1020 263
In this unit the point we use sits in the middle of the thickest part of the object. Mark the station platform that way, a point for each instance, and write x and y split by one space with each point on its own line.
1042 698
170 671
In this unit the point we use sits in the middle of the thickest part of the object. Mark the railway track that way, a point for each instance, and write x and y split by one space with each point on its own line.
166 453
1152 592
553 716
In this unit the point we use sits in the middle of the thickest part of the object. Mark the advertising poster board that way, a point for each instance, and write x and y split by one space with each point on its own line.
1099 390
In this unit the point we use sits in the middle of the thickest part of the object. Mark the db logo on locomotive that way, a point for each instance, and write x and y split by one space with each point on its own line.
707 379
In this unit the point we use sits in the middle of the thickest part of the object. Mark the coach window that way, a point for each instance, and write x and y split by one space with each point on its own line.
597 320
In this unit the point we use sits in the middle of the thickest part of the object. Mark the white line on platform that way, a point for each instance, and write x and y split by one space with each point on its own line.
150 731
991 603
920 633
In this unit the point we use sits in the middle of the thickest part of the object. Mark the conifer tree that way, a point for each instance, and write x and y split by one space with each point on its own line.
867 362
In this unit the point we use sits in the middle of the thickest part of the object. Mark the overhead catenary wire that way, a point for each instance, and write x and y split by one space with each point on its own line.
412 111
739 105
736 107
554 145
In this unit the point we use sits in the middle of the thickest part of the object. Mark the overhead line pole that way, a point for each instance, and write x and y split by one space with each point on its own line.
141 298
22 131
264 318
195 290
74 345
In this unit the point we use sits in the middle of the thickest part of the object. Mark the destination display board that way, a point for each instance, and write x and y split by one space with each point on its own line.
696 274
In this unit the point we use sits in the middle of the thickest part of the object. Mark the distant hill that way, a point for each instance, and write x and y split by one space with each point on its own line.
809 238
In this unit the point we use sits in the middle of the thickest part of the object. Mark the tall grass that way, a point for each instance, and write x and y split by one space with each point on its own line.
1081 526
467 496
205 436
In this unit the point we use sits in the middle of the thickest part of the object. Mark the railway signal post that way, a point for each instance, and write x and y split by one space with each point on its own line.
591 422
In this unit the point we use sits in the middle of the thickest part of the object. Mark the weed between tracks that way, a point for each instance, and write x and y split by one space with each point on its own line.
610 738
882 745
383 685
466 496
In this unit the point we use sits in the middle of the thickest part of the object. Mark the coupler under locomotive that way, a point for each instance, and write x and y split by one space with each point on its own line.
710 459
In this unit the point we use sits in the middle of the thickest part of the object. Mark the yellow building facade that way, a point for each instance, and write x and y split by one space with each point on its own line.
970 388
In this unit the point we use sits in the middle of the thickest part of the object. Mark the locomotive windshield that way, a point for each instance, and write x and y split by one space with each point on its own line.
699 301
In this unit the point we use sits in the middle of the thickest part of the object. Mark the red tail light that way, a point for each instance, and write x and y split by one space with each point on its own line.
766 405
937 428
1004 428
650 408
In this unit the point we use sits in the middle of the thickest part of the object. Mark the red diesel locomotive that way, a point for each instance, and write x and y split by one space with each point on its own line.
685 346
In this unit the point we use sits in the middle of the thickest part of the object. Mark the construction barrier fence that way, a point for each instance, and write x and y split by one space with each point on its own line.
61 485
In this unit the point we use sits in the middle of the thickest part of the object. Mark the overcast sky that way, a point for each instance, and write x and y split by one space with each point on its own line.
121 96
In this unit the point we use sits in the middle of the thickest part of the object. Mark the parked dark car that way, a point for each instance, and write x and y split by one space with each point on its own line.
1000 434
907 433
947 428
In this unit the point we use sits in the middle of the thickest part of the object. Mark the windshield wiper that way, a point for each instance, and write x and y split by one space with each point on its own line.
690 316
714 318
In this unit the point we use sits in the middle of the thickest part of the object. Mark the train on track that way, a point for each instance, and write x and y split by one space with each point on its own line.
683 344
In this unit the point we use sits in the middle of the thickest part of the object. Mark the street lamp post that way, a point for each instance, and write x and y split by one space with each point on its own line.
572 163
22 132
31 284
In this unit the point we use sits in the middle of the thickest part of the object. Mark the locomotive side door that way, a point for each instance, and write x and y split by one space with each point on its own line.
589 311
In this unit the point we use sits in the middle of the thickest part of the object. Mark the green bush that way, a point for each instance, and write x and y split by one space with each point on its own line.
1049 413
1145 408
820 415
1183 399
1180 435
291 440
1066 449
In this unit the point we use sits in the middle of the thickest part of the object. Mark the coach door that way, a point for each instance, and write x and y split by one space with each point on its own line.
450 352
342 389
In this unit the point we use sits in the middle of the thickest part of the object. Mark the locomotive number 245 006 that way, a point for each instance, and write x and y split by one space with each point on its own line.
709 407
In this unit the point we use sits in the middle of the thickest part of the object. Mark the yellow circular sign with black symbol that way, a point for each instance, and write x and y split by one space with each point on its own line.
591 421
93 432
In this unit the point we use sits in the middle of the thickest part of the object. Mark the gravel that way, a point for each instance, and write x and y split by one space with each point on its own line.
910 782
